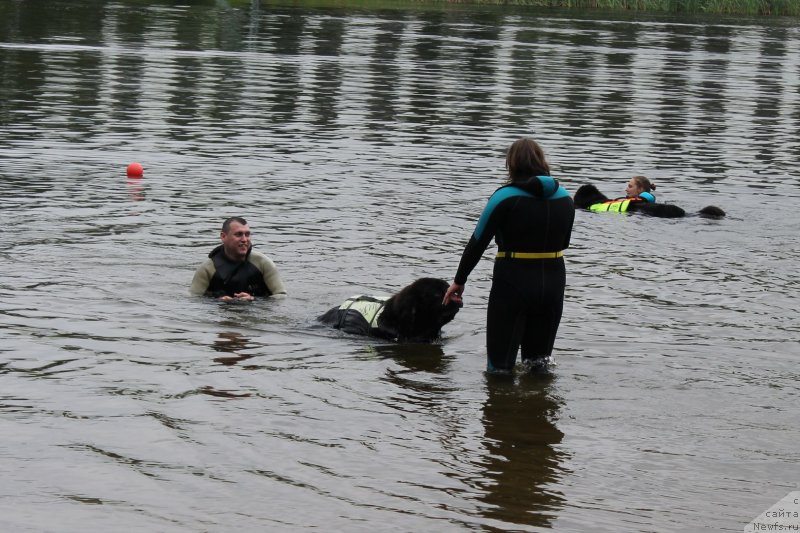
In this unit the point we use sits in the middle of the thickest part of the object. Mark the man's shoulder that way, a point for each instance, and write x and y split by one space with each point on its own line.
259 259
207 264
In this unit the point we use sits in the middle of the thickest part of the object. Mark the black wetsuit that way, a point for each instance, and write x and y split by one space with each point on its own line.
533 218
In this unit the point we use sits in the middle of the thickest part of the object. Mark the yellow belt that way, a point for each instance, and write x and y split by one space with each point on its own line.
531 255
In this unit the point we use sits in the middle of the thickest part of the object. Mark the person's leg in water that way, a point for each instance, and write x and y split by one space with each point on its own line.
539 338
544 317
505 327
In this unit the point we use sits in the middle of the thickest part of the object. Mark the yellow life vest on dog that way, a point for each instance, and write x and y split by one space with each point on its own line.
620 205
612 206
370 307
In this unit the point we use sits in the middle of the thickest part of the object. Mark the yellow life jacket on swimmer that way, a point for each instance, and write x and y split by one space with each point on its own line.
370 307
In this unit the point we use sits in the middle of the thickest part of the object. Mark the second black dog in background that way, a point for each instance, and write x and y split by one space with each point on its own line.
414 314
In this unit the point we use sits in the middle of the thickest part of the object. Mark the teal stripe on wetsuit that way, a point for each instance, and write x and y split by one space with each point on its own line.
552 191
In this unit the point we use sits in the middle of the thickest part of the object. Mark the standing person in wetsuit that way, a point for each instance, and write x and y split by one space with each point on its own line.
531 220
233 270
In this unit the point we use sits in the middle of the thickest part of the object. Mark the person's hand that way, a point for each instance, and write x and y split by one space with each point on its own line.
244 296
453 294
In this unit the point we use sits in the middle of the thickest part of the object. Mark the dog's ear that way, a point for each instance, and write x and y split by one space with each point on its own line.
399 314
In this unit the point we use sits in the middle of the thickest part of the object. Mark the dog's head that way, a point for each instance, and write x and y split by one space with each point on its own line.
712 211
416 312
587 195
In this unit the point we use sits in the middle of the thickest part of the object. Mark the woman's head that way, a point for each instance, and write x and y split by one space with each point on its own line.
525 159
637 185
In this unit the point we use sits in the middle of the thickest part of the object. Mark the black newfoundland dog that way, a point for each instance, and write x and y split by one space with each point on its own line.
415 314
588 195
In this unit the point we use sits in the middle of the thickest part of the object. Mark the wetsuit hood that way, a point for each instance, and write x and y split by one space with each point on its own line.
539 186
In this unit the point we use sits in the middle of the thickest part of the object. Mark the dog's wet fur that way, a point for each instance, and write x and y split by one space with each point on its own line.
587 195
414 314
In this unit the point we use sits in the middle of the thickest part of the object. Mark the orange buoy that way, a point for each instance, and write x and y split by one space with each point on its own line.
135 170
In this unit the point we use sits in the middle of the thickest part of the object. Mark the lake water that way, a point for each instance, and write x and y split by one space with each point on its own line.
362 146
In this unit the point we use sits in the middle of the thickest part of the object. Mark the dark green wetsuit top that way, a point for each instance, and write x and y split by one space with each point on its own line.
221 276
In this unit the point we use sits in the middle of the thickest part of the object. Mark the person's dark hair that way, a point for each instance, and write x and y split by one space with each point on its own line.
226 226
525 159
644 183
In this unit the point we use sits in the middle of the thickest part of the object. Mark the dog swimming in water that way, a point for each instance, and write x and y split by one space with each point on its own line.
588 197
414 314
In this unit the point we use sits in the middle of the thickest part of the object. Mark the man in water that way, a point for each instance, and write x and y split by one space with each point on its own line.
233 271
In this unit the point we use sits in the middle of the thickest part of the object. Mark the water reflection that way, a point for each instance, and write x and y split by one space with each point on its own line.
413 357
767 110
316 68
672 86
480 65
385 74
136 189
714 67
364 143
231 342
523 462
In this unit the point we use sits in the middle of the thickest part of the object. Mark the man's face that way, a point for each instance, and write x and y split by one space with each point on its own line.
236 242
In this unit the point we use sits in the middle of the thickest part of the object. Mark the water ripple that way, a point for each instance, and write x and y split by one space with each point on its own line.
362 147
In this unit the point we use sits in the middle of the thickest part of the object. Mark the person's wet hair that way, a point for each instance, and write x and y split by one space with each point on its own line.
525 159
645 184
